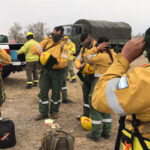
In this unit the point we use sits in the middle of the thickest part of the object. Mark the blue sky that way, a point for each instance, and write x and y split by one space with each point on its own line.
59 12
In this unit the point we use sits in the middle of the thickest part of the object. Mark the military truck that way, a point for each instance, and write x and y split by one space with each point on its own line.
118 32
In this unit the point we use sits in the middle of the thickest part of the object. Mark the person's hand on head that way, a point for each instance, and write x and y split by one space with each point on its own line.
103 46
133 49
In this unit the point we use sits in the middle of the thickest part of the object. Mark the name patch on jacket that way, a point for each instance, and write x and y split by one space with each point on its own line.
122 83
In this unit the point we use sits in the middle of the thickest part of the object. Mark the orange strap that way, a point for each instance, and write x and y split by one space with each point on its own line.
127 145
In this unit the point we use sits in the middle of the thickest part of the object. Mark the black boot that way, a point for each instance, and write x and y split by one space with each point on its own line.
92 137
73 80
105 136
35 84
67 101
29 86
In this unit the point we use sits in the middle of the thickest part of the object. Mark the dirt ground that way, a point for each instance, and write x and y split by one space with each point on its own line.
21 106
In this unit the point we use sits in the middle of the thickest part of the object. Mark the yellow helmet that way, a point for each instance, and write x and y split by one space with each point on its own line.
86 123
44 57
29 33
88 69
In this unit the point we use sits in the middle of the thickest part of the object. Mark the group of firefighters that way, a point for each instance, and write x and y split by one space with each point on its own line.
107 88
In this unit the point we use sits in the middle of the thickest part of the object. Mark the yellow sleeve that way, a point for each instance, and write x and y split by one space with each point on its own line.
5 58
104 95
23 49
39 46
78 61
119 93
63 60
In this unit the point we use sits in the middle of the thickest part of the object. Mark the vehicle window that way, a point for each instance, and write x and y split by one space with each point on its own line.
77 30
67 30
3 39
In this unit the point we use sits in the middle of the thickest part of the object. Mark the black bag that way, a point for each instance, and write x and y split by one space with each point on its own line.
21 57
7 134
51 62
57 140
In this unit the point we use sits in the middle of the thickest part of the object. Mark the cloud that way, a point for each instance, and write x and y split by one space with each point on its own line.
56 12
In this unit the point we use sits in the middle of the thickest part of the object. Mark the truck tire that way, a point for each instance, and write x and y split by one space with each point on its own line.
6 71
5 74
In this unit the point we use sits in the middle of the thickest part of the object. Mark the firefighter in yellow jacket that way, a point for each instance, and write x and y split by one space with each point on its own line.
86 71
102 57
70 66
52 71
31 60
5 59
122 93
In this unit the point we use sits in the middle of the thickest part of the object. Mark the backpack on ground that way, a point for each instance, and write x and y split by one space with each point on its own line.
57 140
7 134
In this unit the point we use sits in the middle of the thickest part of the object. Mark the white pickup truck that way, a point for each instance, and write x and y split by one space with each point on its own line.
16 64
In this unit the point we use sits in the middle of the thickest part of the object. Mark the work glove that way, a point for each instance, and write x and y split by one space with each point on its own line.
51 62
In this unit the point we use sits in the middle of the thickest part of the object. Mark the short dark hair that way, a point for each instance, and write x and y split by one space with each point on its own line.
84 36
59 28
102 39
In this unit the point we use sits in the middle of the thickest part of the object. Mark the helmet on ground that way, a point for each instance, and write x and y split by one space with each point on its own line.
29 33
86 123
44 57
88 69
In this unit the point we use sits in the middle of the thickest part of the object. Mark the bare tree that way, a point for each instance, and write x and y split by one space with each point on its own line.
138 35
15 33
38 29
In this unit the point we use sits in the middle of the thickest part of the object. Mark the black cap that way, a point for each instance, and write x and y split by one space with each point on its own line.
61 28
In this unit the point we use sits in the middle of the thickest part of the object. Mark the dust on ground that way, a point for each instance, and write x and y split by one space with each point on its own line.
21 106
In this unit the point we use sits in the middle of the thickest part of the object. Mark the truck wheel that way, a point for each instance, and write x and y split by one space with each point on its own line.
5 74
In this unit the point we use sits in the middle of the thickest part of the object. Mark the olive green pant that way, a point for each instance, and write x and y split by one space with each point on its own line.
2 96
64 86
86 90
50 80
70 70
31 69
100 121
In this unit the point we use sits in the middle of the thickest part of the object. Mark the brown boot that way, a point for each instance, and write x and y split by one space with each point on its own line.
39 117
54 116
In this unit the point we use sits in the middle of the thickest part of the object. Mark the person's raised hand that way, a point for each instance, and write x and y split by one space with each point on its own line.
103 46
133 49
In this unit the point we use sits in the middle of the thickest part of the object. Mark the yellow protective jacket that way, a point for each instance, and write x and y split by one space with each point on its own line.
80 58
26 49
59 51
71 48
101 61
124 94
5 58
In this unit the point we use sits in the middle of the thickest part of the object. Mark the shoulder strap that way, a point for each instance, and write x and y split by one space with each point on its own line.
70 140
137 133
121 127
50 46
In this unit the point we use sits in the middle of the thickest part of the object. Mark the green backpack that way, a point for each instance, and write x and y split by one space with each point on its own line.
57 140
